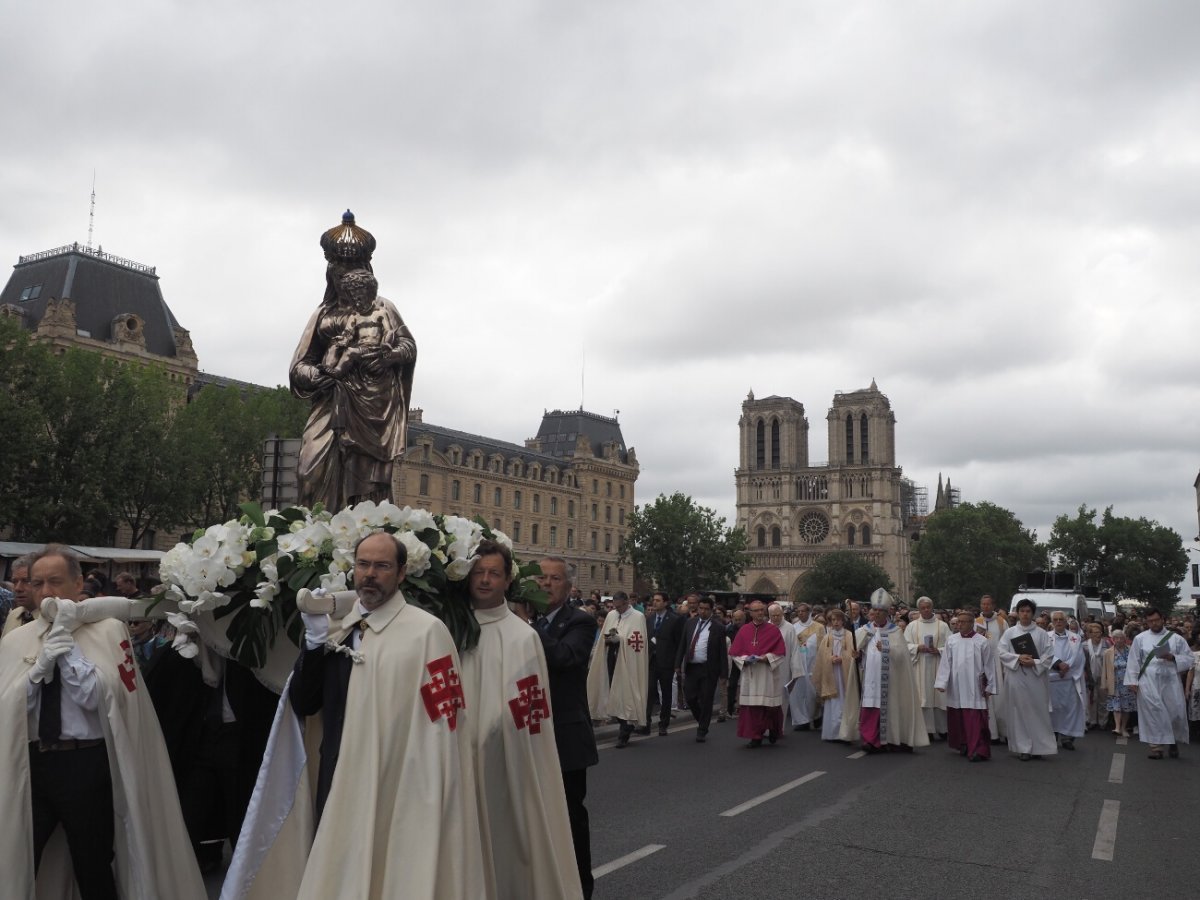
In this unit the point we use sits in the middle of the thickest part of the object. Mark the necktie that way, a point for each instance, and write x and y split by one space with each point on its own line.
50 711
657 622
543 624
695 639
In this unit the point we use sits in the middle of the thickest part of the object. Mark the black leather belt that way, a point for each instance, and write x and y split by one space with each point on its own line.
64 745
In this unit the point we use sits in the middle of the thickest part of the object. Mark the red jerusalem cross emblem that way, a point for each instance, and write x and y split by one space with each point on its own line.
636 642
443 695
529 707
126 668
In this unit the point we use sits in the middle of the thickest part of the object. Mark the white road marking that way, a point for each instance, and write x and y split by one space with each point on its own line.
621 862
771 795
859 755
1106 831
1122 741
1116 774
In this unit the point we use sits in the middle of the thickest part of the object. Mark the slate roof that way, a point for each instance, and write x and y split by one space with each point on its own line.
561 428
102 287
558 432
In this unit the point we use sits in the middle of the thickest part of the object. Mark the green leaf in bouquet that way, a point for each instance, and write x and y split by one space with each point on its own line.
263 549
254 512
292 514
301 577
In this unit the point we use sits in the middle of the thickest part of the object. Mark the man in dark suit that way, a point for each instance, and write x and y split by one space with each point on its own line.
665 628
568 635
701 658
736 620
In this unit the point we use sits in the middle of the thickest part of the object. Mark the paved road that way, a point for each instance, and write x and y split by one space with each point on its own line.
924 825
675 819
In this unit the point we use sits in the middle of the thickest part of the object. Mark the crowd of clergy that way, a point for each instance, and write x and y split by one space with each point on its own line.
397 764
888 678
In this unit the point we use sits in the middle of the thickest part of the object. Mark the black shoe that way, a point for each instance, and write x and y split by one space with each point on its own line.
644 731
1173 751
755 744
1068 743
700 738
622 741
975 757
870 748
962 751
1025 757
772 737
662 731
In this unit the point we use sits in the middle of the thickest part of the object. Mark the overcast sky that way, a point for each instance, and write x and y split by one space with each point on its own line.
991 208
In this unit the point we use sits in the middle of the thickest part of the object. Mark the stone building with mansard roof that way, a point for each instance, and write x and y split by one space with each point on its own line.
794 511
566 492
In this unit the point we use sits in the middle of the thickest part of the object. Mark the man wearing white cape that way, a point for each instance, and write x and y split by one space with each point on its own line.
522 804
783 675
622 659
1068 695
1026 685
392 813
92 766
927 636
802 698
1157 657
966 676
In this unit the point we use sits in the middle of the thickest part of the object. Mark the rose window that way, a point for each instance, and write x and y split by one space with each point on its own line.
814 528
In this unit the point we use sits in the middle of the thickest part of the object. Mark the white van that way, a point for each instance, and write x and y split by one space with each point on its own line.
1072 603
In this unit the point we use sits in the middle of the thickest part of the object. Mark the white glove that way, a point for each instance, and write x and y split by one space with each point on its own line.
316 629
58 643
67 616
185 630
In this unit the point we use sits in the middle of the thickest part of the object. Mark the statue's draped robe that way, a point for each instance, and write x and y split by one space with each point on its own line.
359 425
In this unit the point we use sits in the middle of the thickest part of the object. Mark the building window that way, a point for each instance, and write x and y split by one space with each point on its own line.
516 535
533 533
497 496
553 535
516 499
849 438
621 489
31 293
621 516
595 485
496 525
776 537
593 571
849 535
862 440
774 443
606 574
621 575
554 506
570 538
762 536
425 452
607 542
571 509
537 502
814 527
478 492
424 489
608 488
456 489
866 535
760 449
595 512
607 513
594 539
148 539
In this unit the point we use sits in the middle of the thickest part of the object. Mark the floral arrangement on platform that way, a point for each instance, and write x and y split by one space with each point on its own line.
251 568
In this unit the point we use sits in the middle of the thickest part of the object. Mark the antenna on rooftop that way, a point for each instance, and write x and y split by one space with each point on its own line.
582 372
92 213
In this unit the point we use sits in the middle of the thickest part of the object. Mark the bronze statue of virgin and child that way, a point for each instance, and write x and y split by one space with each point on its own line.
355 363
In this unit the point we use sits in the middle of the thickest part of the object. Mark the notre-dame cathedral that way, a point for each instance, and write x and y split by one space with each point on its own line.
795 511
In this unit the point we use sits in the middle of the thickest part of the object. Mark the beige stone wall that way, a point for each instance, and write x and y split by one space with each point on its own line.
576 509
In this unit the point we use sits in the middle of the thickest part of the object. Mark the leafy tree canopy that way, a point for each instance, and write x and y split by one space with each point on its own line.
680 545
838 576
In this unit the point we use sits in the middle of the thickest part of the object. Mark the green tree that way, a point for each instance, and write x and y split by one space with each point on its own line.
974 549
222 433
839 575
1131 559
680 545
